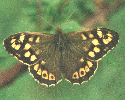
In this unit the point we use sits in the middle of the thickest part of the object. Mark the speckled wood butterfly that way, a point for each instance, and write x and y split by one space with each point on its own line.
75 55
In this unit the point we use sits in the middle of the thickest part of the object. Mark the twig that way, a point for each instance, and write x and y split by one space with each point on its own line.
100 16
39 10
9 75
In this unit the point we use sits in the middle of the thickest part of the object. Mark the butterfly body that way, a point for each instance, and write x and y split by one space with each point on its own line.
60 40
75 54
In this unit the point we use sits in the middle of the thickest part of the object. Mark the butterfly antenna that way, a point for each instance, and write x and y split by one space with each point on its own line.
68 17
47 22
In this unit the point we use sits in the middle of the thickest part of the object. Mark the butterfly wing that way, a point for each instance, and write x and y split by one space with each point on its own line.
47 71
94 43
36 50
86 48
26 46
78 68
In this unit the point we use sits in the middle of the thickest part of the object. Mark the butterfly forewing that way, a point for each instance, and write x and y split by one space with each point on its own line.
94 43
28 46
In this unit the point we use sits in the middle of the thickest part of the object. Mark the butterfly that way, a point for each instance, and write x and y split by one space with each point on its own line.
74 55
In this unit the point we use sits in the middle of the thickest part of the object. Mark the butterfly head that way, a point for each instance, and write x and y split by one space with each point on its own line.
59 31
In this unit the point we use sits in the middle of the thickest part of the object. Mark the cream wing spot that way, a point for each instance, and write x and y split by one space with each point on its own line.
91 36
87 68
96 49
90 64
33 57
51 76
36 67
22 37
83 37
17 47
81 60
110 35
27 54
27 46
45 74
75 75
95 42
99 33
91 54
13 45
81 72
13 40
38 39
31 39
39 72
43 62
106 41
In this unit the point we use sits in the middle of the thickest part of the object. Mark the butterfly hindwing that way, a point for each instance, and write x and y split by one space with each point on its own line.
45 74
78 69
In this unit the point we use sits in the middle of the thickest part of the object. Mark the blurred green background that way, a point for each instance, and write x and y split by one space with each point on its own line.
108 83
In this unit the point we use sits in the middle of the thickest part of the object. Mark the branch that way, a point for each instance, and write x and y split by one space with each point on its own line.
100 16
9 75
